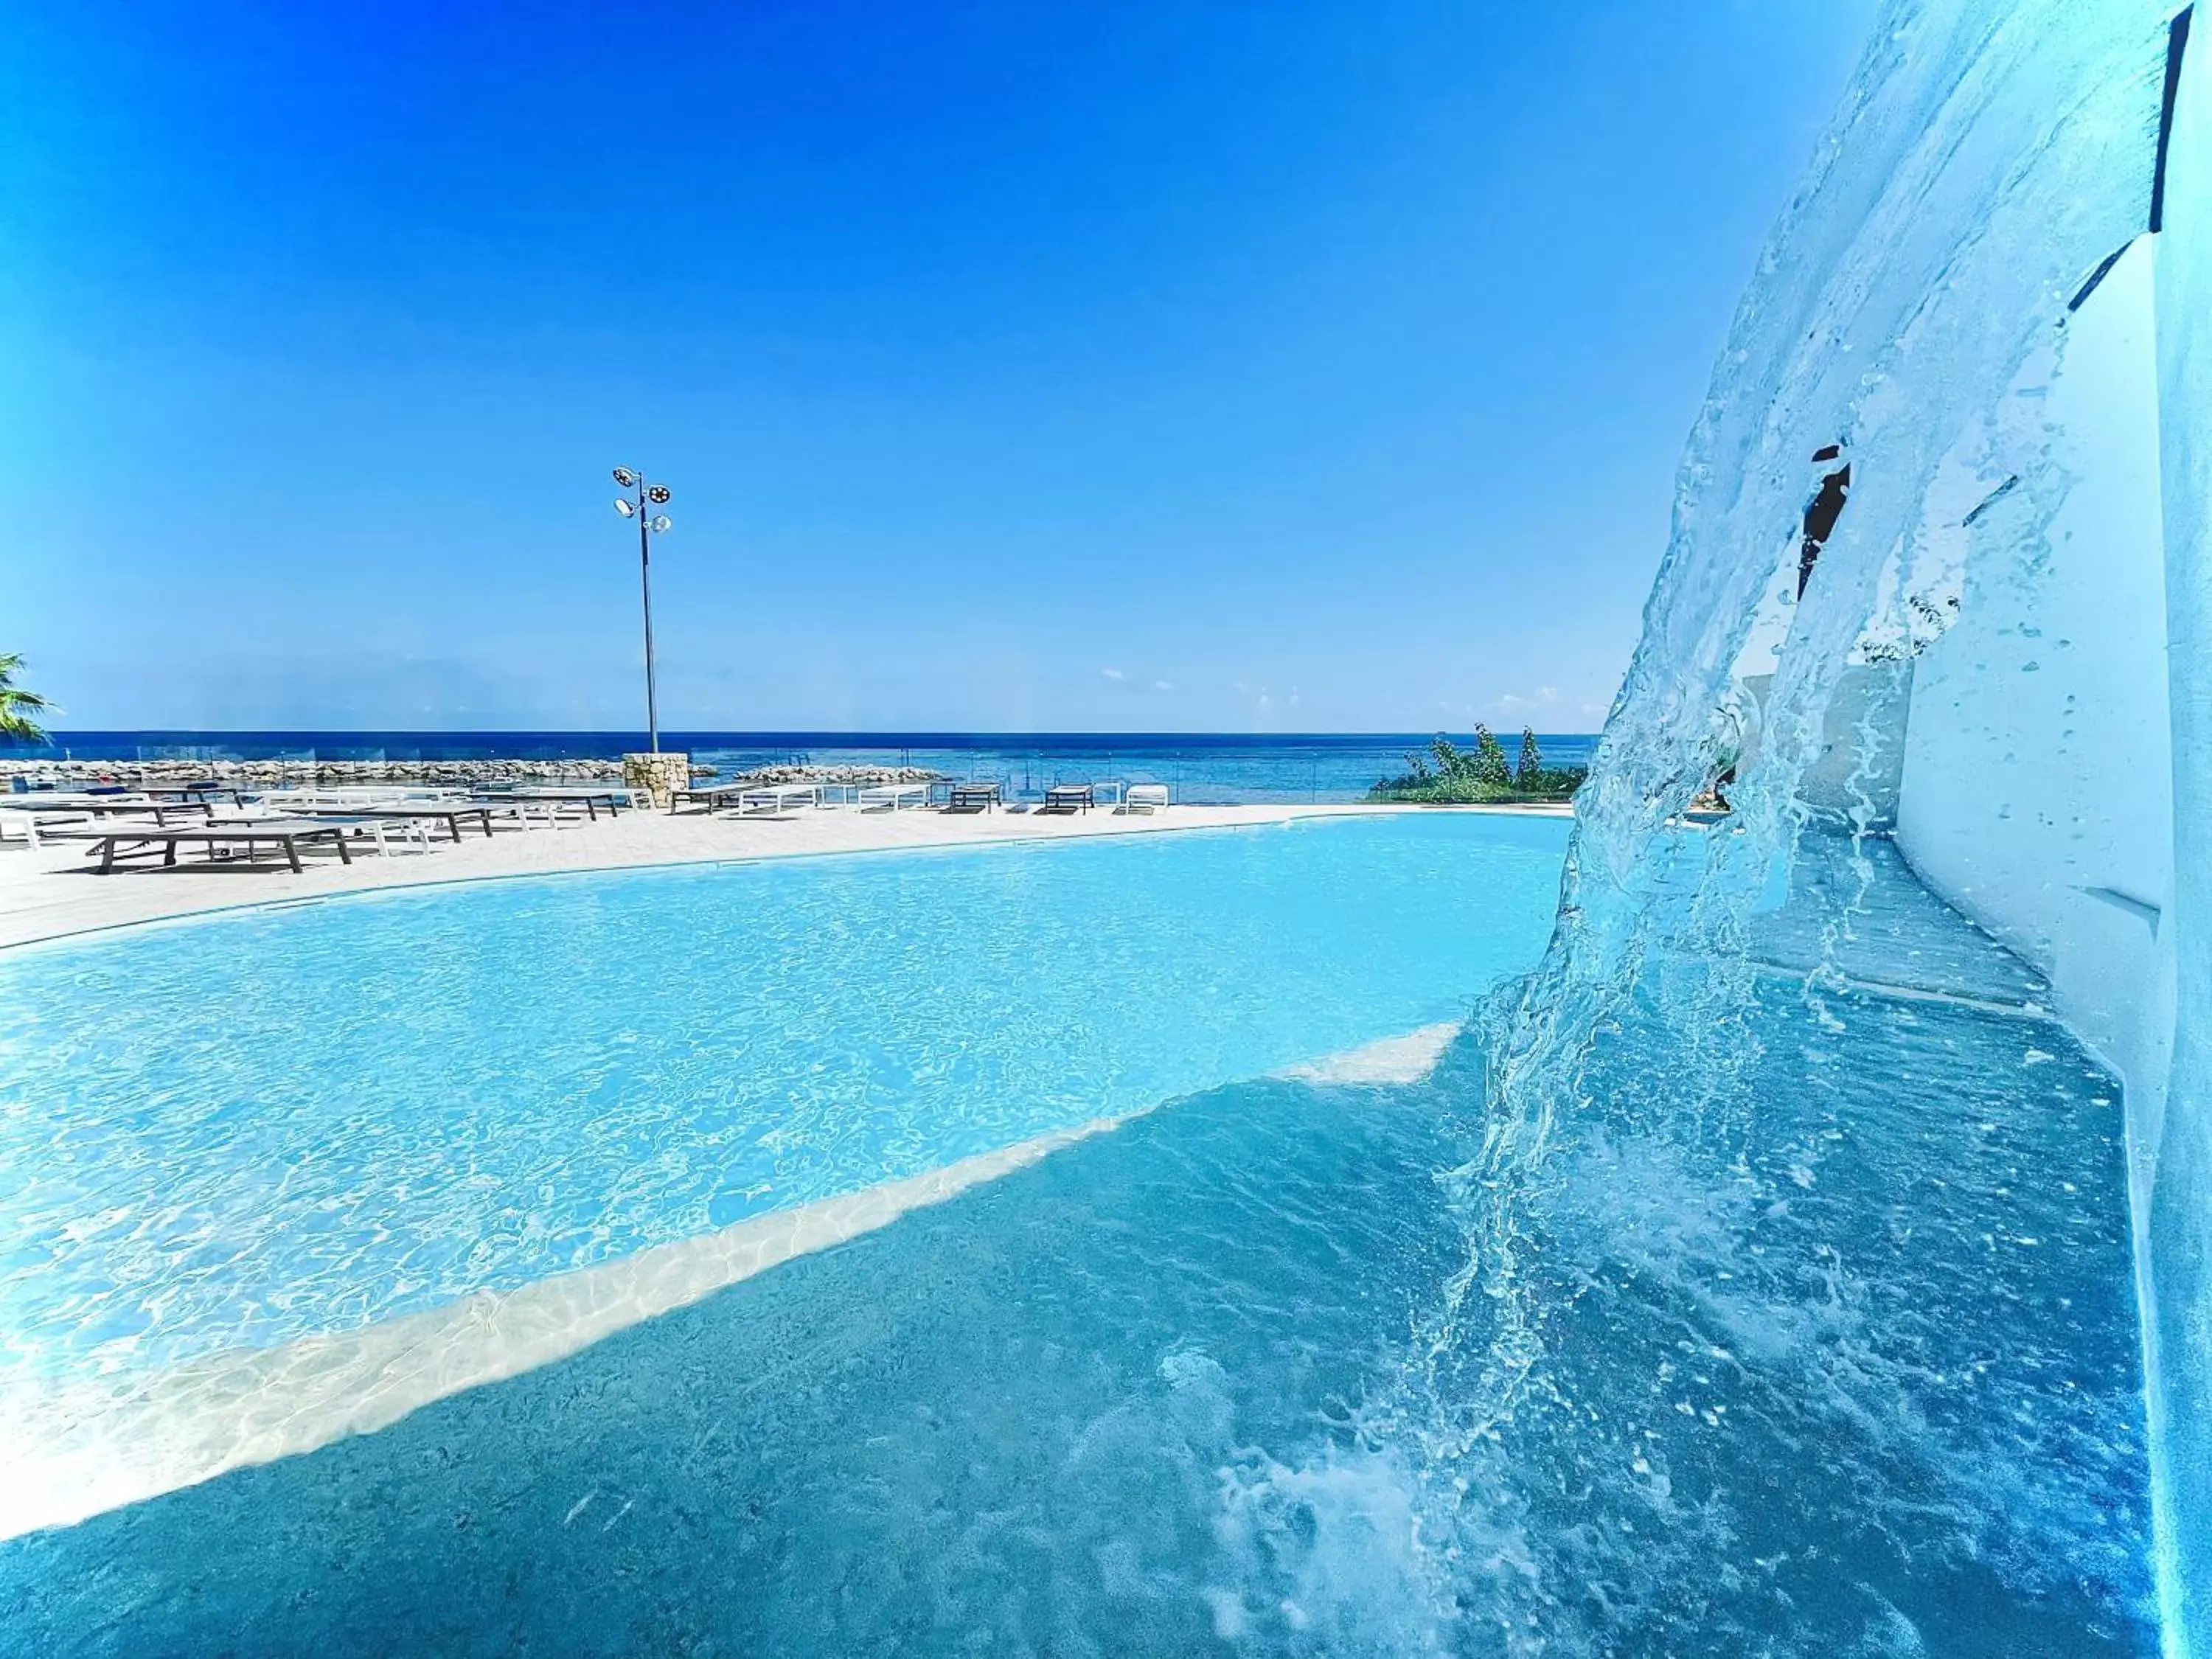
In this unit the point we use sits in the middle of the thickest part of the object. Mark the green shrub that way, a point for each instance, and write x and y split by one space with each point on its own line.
1531 763
1462 777
1490 759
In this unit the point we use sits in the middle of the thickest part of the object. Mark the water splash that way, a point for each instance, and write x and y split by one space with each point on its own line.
1984 160
1983 163
1908 309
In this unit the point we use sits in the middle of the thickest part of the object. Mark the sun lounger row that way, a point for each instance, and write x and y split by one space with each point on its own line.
117 825
34 816
390 818
1061 797
747 798
753 799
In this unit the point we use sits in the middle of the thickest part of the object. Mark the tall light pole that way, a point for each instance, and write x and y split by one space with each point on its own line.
633 505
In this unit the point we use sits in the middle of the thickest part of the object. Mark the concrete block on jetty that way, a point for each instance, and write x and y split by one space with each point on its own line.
658 774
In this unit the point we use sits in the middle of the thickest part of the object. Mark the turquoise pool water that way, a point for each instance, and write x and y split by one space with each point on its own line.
240 1130
1812 1335
1838 1358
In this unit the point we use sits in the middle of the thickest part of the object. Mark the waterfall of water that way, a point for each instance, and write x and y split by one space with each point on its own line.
1796 1316
1985 161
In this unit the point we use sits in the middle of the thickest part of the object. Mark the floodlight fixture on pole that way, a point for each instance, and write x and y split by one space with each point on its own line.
633 505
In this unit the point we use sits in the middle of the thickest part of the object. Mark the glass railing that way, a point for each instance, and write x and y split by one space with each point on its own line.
1199 771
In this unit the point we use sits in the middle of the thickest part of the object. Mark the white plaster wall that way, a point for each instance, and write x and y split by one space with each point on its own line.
2037 789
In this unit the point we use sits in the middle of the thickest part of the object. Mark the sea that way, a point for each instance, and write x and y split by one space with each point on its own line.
1201 767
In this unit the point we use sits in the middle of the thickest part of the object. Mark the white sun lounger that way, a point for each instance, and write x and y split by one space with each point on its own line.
712 796
1146 798
286 834
31 822
556 804
328 796
375 826
775 798
893 796
102 806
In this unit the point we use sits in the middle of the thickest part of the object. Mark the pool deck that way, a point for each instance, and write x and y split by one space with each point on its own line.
57 891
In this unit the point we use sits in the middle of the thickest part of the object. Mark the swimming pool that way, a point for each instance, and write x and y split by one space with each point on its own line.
1837 1356
242 1130
1828 1349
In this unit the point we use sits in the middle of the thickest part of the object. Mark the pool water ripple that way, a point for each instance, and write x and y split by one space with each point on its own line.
243 1130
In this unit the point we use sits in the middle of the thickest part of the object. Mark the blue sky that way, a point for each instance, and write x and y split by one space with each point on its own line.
1040 366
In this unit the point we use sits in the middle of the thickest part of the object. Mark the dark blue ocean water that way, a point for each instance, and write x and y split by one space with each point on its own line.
1201 767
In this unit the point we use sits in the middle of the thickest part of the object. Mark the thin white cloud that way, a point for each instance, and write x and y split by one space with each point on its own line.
1542 697
1113 673
1162 685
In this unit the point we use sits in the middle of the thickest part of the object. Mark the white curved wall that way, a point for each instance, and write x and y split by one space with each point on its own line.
2037 794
